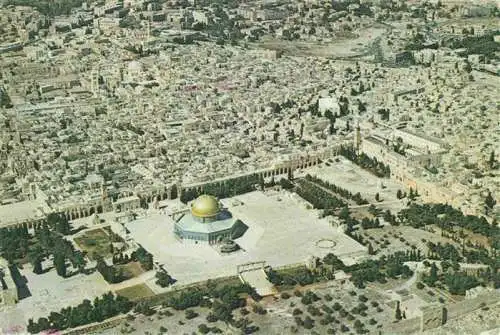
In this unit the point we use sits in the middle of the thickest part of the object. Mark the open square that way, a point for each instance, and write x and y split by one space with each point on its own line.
280 232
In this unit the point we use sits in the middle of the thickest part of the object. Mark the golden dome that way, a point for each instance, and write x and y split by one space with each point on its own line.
205 206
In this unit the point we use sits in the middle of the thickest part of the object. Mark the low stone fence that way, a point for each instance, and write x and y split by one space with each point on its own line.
160 298
289 266
97 326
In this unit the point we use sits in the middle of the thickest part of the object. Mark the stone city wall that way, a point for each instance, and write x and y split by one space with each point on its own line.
94 327
470 305
409 326
433 316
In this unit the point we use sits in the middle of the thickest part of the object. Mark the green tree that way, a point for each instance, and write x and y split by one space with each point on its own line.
459 283
344 213
144 308
59 222
173 192
468 67
308 322
490 201
333 260
60 264
144 257
433 276
370 249
35 257
398 315
203 329
222 312
32 327
103 307
399 194
190 314
78 261
492 160
43 323
411 196
163 279
5 100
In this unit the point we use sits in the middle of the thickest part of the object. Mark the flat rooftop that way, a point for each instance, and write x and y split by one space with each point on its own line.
19 212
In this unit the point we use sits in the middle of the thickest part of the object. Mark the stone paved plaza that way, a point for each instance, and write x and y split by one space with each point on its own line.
48 293
280 233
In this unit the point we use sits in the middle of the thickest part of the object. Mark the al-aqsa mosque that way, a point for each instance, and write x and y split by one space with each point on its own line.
208 222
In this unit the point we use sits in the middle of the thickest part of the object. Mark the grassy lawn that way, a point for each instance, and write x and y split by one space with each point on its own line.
136 292
131 270
293 271
95 241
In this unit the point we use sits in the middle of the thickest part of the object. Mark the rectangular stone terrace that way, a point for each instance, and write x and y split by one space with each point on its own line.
348 175
280 232
48 293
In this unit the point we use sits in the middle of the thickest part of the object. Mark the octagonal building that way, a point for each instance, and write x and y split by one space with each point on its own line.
208 222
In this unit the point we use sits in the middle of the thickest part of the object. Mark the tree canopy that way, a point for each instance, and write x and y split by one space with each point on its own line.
87 312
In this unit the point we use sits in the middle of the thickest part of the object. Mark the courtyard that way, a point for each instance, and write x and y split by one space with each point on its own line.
344 173
97 242
280 232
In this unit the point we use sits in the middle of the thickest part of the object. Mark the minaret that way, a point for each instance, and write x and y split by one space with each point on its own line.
357 138
97 26
104 193
146 36
94 81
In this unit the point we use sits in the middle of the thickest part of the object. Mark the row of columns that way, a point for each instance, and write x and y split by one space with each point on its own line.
287 169
32 224
81 212
158 195
85 211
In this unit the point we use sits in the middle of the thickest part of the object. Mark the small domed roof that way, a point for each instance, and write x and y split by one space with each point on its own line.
205 206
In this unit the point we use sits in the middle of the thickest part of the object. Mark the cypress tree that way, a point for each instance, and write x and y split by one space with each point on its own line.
60 264
398 312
